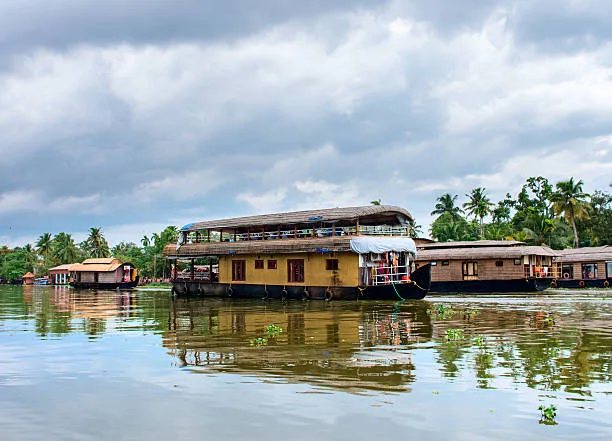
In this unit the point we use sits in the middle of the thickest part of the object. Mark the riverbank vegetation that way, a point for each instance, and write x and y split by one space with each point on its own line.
560 216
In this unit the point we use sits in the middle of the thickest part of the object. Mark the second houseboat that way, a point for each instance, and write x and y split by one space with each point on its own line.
340 253
488 266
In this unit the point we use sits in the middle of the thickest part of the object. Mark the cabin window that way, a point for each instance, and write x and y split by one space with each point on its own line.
589 270
259 264
445 263
434 263
567 271
499 263
238 270
470 270
331 264
608 269
517 261
271 264
295 268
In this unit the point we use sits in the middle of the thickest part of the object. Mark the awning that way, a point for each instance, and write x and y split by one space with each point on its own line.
362 245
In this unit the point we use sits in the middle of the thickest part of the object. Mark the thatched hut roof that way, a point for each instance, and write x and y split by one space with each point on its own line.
99 265
285 246
367 215
28 275
487 252
472 244
586 254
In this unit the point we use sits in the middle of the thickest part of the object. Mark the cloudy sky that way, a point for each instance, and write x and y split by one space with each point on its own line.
136 114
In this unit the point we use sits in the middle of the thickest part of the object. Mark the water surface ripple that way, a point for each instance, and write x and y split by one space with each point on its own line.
85 365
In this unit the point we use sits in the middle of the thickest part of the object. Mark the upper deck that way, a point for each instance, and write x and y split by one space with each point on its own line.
373 220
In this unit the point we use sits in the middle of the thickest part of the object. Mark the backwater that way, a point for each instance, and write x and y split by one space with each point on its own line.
107 365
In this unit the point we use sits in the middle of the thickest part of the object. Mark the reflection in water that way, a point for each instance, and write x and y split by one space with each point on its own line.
334 345
551 343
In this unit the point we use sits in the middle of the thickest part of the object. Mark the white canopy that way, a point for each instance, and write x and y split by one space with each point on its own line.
362 245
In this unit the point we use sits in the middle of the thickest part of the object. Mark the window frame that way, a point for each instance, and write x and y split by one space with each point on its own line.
468 265
259 264
272 264
331 264
239 270
295 271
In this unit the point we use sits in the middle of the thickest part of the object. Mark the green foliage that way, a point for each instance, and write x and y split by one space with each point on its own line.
259 342
548 414
273 331
442 312
479 341
454 334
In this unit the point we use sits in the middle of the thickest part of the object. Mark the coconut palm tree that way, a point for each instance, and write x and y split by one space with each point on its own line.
478 206
44 246
570 201
96 243
64 248
446 204
145 241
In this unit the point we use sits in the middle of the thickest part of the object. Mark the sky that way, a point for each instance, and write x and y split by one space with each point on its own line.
131 115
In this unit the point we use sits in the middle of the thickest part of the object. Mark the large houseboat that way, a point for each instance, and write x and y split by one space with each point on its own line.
339 253
103 273
487 266
589 267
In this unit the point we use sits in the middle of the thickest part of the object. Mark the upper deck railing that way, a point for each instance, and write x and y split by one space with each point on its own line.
362 230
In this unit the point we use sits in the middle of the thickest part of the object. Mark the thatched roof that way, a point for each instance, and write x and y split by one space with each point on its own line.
472 244
99 265
488 252
28 275
284 246
586 254
367 215
65 267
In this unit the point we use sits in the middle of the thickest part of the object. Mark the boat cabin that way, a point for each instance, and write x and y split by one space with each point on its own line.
488 266
103 273
584 267
306 254
60 275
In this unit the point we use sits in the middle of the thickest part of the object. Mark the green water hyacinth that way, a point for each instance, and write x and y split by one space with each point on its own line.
548 414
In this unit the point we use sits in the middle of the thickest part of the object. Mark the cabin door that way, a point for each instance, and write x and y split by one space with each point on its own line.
96 277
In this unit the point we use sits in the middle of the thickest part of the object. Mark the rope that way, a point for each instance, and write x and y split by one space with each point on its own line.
361 290
417 285
398 294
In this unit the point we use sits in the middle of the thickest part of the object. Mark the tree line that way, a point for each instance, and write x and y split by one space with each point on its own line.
560 216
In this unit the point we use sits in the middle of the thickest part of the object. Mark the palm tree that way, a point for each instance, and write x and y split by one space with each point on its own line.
97 244
414 229
64 248
44 245
570 200
446 204
145 241
478 206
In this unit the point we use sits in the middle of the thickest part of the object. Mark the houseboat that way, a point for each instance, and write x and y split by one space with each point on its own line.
339 253
485 266
103 273
60 275
589 267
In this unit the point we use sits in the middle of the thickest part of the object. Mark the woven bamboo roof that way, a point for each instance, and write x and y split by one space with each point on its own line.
586 254
472 244
367 215
65 267
101 265
488 252
284 246
28 275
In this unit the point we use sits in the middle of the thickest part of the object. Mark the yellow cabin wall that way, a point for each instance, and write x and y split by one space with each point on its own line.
315 273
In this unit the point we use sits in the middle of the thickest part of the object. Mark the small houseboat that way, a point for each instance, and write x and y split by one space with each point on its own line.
340 253
484 266
103 273
589 267
60 275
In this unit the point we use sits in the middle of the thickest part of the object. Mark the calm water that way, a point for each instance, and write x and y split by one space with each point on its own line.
141 366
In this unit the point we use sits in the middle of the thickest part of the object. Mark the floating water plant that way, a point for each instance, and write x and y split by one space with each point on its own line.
479 341
454 334
442 312
259 342
273 331
470 313
548 414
